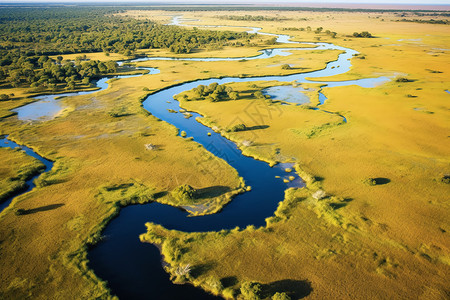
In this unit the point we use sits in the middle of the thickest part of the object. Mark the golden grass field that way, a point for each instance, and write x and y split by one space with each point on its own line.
17 167
376 242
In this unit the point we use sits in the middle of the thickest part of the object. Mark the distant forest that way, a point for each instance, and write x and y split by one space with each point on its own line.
29 35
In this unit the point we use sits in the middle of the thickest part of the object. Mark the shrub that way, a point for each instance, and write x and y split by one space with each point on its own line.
286 67
234 95
376 181
20 212
118 112
214 284
184 192
238 127
364 34
258 94
281 296
4 97
445 179
251 290
370 181
183 133
402 79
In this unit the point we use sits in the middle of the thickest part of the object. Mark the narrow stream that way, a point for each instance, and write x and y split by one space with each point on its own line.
133 269
6 143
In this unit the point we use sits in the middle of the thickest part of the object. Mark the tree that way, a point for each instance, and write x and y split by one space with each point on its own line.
258 94
272 41
111 66
281 296
4 97
85 80
212 87
251 290
214 96
238 127
234 95
184 192
364 34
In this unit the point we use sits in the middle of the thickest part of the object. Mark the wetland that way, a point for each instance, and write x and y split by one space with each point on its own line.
311 136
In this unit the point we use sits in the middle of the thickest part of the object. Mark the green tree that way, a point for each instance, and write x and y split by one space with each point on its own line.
184 192
258 94
233 95
251 290
281 296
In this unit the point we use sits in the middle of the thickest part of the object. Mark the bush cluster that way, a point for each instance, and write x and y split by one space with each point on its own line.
184 192
28 36
213 92
364 34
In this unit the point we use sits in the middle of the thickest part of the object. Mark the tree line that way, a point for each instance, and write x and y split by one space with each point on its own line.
29 35
44 72
252 18
426 21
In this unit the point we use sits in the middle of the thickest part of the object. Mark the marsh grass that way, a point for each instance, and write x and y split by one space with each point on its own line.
17 168
318 130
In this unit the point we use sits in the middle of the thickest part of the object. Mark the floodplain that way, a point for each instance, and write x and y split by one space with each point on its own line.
370 220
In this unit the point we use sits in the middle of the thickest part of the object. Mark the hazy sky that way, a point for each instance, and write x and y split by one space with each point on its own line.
425 2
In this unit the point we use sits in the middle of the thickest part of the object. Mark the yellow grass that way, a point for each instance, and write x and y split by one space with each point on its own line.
17 167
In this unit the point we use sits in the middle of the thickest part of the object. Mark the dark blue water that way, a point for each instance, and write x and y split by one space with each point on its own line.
5 143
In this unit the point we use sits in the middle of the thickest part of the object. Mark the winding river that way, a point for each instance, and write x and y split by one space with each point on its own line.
133 269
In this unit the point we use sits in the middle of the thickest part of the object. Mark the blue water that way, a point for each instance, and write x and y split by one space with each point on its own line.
133 269
5 143
48 106
287 93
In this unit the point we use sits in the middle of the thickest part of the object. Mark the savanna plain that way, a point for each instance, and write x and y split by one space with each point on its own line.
372 220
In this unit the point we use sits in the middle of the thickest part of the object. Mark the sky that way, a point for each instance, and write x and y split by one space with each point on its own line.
425 2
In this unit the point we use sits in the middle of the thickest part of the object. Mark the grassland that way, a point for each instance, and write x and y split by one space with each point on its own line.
369 234
383 241
17 168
